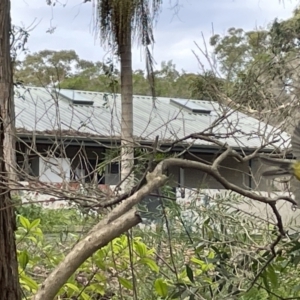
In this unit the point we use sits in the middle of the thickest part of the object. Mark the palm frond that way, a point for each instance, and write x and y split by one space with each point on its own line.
120 20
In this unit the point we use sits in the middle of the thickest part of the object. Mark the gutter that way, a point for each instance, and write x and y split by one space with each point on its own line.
107 142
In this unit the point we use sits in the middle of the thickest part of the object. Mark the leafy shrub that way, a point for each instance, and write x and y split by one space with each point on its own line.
52 220
224 255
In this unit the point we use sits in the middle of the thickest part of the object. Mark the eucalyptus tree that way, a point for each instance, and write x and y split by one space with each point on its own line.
120 22
9 281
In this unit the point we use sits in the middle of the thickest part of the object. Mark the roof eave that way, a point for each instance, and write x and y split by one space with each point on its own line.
106 141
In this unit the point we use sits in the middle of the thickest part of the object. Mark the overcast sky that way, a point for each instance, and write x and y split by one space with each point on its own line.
175 32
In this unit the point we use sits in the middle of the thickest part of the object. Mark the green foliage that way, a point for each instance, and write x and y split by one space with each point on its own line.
209 87
67 70
37 255
46 67
237 49
231 50
60 220
212 251
260 67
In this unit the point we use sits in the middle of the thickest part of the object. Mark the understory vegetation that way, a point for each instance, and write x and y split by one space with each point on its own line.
196 252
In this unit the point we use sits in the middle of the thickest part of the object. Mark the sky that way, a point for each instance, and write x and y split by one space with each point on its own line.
176 32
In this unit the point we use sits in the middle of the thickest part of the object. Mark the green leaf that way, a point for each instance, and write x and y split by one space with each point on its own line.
200 247
207 280
265 280
206 221
211 255
140 248
32 238
85 296
150 263
189 273
161 287
35 223
296 247
197 261
101 264
123 240
178 294
28 282
72 286
98 288
38 232
23 259
296 260
272 275
126 283
25 222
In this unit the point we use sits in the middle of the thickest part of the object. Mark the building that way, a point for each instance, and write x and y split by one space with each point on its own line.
65 135
57 123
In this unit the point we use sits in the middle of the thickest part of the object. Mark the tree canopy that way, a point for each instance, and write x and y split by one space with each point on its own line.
264 59
67 70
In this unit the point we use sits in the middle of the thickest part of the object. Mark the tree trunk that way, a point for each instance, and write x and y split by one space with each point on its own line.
9 280
127 153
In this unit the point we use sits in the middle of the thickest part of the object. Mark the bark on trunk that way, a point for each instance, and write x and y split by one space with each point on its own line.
9 280
127 154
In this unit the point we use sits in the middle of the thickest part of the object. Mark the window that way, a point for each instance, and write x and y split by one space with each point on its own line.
113 168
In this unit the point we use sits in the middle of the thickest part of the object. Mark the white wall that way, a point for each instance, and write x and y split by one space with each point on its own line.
54 170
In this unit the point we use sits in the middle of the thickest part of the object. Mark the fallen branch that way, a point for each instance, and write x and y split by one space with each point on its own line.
120 219
82 251
124 217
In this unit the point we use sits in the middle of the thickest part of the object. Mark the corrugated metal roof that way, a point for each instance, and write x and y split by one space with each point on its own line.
42 110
